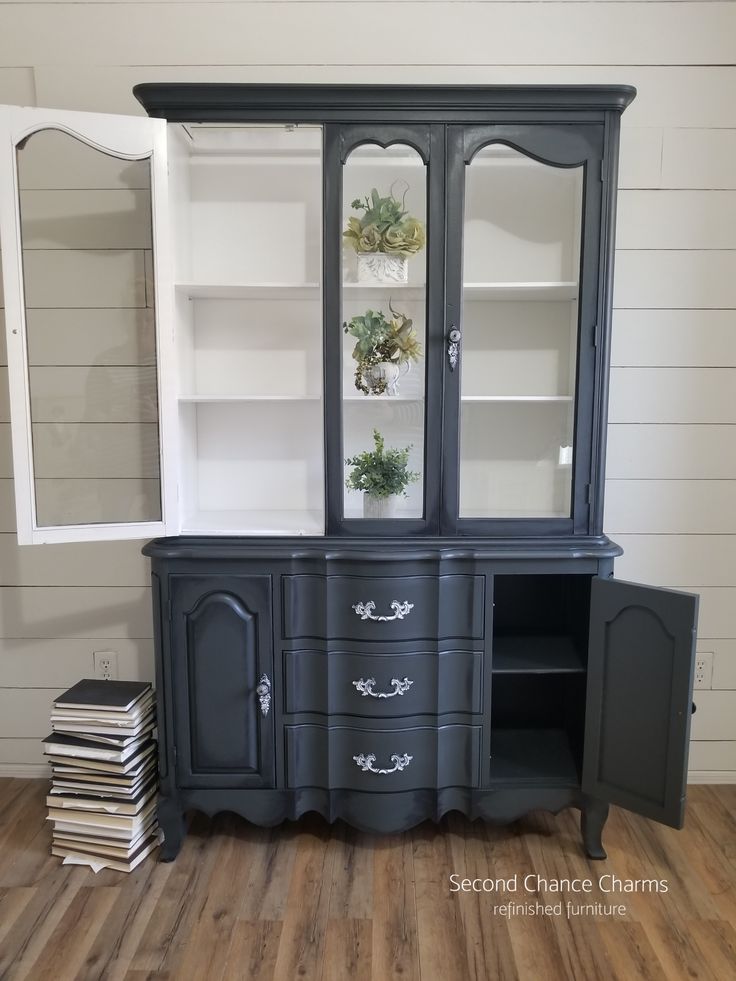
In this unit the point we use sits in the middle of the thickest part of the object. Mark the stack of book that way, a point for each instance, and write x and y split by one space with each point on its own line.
103 755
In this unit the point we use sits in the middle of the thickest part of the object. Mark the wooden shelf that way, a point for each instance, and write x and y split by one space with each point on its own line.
516 398
250 291
539 654
254 523
532 757
374 291
521 291
188 399
380 399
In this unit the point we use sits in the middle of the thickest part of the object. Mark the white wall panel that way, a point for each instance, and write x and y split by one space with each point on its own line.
685 395
674 560
671 452
674 338
670 507
496 33
715 717
7 505
640 161
717 612
676 220
712 755
679 278
22 751
61 663
75 611
699 158
17 86
724 662
25 712
6 456
76 564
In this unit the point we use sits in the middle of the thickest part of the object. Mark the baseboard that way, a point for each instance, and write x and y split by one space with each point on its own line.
28 771
711 776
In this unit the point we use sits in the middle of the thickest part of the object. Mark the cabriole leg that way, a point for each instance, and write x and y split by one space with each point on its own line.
171 819
593 815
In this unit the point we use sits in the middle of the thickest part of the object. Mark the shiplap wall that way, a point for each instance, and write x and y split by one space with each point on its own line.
671 492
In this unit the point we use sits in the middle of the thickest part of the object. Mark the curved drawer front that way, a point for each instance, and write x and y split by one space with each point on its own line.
383 608
383 686
377 760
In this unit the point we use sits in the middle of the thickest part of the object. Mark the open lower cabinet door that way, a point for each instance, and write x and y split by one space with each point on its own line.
640 673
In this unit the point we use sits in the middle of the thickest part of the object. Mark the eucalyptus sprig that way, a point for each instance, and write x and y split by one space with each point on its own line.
381 472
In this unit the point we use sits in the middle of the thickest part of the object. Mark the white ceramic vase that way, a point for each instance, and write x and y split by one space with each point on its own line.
378 508
381 267
388 372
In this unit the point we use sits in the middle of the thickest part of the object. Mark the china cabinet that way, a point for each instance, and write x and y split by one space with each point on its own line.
231 322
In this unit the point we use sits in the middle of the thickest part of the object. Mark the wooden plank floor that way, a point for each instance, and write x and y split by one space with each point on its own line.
308 900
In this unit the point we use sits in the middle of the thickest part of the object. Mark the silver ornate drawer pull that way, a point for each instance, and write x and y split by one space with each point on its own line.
263 690
365 687
365 610
366 763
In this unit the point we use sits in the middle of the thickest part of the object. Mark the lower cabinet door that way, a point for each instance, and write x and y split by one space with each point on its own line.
640 678
222 675
376 760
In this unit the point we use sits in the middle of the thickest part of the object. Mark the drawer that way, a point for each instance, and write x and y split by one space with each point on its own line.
383 608
388 685
423 757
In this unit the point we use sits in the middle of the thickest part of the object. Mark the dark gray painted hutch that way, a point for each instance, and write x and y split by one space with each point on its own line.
472 653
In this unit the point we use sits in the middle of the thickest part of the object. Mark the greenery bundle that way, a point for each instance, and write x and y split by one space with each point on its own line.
381 472
384 226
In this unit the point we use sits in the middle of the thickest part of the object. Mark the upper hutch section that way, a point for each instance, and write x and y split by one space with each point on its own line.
310 310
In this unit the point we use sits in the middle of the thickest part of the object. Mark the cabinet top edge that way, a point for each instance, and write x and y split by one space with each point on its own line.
189 101
377 549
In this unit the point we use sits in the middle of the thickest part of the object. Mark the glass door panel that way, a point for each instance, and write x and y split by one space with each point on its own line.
81 257
520 284
384 304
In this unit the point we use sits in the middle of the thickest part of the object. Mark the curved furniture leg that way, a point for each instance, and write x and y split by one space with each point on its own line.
171 819
593 815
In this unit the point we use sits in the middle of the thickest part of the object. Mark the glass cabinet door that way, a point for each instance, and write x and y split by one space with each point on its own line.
82 197
521 323
382 245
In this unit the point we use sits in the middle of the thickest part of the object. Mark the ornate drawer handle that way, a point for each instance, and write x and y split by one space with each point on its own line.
365 687
366 763
365 610
263 690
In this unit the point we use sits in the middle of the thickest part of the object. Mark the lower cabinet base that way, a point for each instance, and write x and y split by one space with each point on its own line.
381 813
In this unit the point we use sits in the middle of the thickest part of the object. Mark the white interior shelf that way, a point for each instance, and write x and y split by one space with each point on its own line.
249 398
563 290
252 522
249 291
516 398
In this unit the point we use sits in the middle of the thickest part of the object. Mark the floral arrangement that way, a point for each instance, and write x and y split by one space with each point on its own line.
385 226
381 472
379 339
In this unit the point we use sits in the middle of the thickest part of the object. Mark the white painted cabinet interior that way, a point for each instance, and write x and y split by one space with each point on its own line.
247 211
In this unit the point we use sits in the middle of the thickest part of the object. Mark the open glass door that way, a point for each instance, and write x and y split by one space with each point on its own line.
83 205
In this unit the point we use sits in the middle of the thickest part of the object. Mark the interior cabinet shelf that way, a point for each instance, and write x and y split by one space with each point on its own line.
260 522
537 654
567 290
249 291
532 756
516 398
187 399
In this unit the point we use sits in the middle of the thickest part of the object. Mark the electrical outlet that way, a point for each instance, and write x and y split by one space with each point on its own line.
106 665
703 671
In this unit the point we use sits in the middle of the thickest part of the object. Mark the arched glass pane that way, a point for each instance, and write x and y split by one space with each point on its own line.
91 339
521 262
384 331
